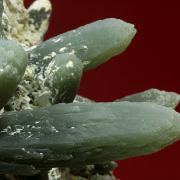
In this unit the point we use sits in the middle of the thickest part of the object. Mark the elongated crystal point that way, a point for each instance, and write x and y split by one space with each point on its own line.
65 135
164 98
94 43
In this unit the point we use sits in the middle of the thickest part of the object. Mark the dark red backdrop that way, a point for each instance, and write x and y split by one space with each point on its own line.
152 61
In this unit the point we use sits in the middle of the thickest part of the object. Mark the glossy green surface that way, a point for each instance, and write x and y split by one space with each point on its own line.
67 135
13 61
93 43
164 98
63 77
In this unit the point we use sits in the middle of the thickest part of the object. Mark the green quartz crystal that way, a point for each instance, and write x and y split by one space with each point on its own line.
76 134
63 77
168 99
94 43
13 61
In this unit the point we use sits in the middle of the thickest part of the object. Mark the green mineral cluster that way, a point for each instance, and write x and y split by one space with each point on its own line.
45 126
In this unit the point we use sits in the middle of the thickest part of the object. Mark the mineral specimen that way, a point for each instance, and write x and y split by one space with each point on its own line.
13 61
168 99
94 43
63 76
43 136
78 134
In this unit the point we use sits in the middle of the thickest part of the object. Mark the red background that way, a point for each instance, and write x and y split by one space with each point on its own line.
151 61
